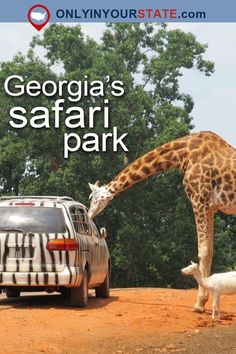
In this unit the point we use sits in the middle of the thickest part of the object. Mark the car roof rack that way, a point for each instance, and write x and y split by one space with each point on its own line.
58 198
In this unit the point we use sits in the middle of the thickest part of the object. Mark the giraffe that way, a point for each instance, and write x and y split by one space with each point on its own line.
208 164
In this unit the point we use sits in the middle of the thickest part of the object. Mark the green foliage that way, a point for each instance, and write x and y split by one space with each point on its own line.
151 228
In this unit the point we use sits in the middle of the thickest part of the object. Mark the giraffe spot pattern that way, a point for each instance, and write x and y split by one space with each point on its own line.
150 157
145 170
122 178
126 184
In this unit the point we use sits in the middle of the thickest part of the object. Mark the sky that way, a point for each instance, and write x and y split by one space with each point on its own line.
214 97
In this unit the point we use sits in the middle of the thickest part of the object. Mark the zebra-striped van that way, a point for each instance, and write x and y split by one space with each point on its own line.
50 244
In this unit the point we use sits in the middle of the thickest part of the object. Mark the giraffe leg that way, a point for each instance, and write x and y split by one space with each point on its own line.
205 229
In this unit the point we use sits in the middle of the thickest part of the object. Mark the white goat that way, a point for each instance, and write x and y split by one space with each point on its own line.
220 283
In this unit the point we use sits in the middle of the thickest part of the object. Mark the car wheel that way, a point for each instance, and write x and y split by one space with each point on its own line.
79 296
12 292
104 289
65 293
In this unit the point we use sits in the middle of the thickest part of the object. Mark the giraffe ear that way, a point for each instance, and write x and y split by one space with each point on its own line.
94 186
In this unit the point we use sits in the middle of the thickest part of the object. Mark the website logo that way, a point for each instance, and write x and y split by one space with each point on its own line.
38 16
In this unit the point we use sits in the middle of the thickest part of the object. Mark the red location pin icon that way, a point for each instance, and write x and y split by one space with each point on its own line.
38 16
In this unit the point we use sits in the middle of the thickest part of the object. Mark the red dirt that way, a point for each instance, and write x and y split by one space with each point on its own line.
147 320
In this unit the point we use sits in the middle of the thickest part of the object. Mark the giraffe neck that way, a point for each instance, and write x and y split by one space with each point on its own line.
167 156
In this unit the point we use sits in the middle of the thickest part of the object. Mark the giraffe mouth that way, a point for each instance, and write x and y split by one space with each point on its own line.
90 214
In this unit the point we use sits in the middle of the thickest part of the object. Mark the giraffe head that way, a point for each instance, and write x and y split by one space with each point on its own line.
190 270
100 197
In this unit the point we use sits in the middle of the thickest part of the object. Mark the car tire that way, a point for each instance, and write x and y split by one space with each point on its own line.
65 293
79 296
104 289
12 293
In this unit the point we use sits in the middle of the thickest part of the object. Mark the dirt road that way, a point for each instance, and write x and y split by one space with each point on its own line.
131 321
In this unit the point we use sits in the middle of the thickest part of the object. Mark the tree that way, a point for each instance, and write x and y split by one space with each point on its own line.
152 226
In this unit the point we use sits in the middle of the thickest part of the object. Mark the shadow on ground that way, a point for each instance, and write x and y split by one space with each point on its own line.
48 301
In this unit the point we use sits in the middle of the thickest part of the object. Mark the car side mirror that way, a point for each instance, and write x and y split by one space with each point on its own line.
103 232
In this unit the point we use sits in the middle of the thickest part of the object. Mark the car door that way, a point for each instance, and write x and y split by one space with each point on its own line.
101 253
25 230
88 242
82 242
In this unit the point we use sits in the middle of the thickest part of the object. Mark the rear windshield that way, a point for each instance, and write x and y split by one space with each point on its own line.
32 219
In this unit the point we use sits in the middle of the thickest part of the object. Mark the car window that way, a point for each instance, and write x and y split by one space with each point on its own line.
32 219
84 222
80 221
96 230
75 220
